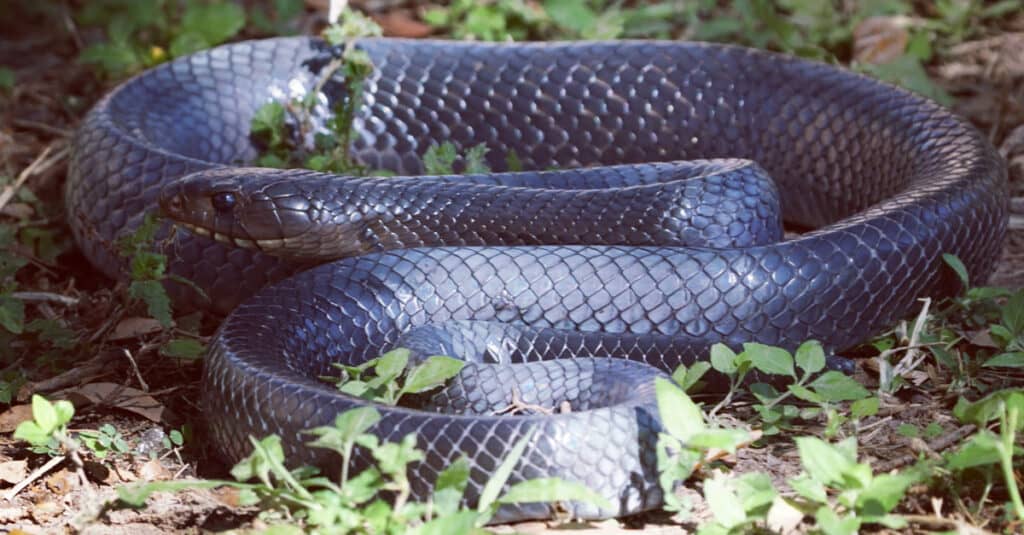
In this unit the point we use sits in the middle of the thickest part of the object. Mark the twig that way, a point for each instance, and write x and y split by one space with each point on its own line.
36 474
45 297
135 368
937 445
29 124
41 163
935 522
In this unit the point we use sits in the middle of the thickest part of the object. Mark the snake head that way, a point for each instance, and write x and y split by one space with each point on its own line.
277 212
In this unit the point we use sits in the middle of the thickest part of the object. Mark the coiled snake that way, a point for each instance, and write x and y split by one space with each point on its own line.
655 269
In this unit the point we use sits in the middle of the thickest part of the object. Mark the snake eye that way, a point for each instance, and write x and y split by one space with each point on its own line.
223 201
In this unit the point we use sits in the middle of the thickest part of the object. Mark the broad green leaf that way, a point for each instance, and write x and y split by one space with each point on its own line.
805 394
44 414
982 449
432 374
987 408
391 364
267 455
215 22
553 489
450 485
863 408
65 411
832 524
884 492
30 432
723 502
12 314
186 43
809 488
687 378
810 357
958 267
768 359
6 78
158 304
347 426
681 417
756 492
723 359
837 386
724 439
823 461
183 348
1013 313
1013 359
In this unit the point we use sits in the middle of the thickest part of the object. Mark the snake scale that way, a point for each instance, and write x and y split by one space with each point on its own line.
667 233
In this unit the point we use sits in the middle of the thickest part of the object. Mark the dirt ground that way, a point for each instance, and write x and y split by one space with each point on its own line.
145 396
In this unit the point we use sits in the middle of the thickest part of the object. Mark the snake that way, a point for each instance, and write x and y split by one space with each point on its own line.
647 200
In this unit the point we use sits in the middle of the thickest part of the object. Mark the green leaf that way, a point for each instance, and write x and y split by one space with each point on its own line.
347 426
958 267
1006 360
723 359
158 304
831 524
45 414
809 488
30 432
822 461
1013 313
136 494
450 485
475 160
431 374
681 417
863 408
688 378
455 523
115 59
186 43
724 439
908 72
215 23
805 393
12 314
885 491
6 79
183 348
810 357
65 411
837 386
771 360
440 159
267 457
552 489
391 364
982 449
722 501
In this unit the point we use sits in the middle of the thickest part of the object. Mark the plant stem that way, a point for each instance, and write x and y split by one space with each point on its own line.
1008 418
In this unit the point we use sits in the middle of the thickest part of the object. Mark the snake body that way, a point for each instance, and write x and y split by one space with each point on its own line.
889 182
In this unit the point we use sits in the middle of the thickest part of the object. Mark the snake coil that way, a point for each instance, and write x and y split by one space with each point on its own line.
887 180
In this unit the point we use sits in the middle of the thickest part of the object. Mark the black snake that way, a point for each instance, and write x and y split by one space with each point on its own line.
887 180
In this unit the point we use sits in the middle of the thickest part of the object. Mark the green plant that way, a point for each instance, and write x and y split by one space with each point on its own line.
143 33
810 385
393 377
104 441
282 128
46 432
986 447
357 503
859 497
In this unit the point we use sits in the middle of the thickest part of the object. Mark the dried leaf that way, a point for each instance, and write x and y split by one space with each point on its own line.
153 470
13 416
13 471
121 397
401 23
880 39
134 327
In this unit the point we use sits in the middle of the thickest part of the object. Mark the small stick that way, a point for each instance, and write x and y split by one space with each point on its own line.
135 368
36 474
45 297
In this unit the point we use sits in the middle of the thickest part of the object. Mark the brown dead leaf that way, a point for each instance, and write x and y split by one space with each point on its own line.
401 23
154 470
60 482
880 39
120 397
13 471
228 496
134 327
982 339
18 210
13 416
783 517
